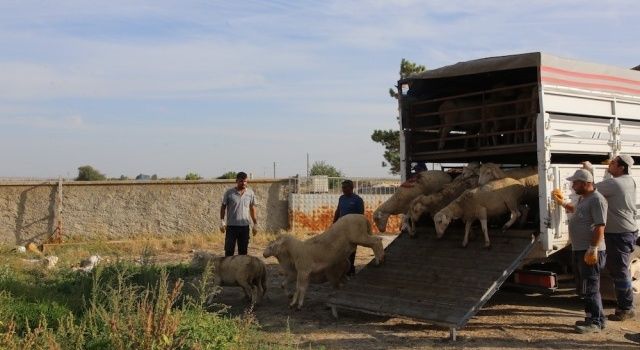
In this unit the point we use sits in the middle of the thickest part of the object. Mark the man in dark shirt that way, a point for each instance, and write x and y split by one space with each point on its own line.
349 203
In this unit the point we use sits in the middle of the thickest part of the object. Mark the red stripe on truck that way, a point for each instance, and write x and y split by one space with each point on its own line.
588 75
584 85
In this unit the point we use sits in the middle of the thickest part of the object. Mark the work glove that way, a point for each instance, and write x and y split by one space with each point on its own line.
557 196
591 256
223 226
254 230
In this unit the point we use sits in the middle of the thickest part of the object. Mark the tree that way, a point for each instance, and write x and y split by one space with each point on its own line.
228 175
154 177
192 176
122 177
390 139
322 168
88 173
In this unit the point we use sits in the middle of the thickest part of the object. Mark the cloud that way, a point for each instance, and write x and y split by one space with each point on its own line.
72 122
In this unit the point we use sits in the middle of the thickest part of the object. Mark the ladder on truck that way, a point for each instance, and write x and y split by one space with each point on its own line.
436 281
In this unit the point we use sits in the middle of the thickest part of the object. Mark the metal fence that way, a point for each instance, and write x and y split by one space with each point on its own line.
333 185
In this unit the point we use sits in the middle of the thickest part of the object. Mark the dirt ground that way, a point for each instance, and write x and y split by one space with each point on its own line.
511 320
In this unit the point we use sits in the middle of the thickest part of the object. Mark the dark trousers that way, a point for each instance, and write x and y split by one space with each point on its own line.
619 249
589 282
235 234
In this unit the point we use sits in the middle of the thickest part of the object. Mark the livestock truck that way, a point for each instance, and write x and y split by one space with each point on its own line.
531 109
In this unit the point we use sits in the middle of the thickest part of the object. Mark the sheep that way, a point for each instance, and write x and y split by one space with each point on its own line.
432 203
326 250
455 112
492 199
245 271
334 274
527 176
425 182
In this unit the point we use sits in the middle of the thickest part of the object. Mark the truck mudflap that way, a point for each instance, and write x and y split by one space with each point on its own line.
435 280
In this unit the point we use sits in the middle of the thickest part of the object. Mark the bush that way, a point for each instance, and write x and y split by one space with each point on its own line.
124 307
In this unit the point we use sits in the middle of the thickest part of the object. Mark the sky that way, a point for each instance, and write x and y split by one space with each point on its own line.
172 87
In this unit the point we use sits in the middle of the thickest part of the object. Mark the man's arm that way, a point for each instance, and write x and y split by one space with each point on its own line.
360 206
598 235
223 209
252 212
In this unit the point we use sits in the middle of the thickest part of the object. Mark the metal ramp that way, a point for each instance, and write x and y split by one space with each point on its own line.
436 281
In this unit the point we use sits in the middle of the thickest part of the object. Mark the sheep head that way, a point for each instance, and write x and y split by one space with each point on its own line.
489 172
380 219
470 170
441 221
202 258
274 247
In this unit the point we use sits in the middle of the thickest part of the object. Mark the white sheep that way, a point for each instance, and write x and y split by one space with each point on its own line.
432 203
494 198
326 250
425 182
334 274
528 176
245 271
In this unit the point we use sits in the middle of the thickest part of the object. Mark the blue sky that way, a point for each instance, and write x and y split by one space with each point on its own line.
167 88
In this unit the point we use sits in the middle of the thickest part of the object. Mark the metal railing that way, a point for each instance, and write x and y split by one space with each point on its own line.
333 185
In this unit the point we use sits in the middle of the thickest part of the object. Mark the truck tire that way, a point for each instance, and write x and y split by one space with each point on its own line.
606 282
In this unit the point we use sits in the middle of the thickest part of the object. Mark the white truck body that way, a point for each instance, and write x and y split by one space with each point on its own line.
585 111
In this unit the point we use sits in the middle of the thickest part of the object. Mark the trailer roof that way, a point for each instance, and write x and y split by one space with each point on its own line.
554 70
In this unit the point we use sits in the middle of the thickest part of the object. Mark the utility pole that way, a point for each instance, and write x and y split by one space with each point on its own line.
307 164
274 170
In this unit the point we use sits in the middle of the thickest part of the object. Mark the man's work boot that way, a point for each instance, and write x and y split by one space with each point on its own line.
621 315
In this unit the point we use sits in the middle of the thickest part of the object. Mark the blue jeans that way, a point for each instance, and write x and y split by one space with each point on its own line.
235 234
589 281
619 249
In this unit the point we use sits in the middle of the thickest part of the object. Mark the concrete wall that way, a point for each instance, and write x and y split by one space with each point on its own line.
123 209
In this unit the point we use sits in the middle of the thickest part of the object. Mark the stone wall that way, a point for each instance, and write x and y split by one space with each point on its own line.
124 209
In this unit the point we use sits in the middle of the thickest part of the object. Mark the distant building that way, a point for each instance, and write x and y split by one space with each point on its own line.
636 67
143 177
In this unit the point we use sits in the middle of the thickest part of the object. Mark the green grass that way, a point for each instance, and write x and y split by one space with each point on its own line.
119 306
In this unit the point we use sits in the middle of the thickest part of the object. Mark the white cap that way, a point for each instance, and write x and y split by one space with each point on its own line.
626 158
581 175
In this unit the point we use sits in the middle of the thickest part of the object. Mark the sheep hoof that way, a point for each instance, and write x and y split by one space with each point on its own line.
487 246
464 245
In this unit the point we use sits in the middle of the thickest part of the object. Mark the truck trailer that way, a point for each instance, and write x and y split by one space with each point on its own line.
531 109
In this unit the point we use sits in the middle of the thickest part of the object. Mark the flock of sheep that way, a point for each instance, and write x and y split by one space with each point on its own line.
319 259
478 193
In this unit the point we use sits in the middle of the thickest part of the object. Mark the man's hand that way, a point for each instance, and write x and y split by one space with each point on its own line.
223 226
591 256
558 197
254 230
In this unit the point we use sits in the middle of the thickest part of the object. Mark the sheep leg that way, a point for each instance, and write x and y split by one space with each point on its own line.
287 284
485 231
301 289
483 223
515 214
467 229
375 244
248 290
443 135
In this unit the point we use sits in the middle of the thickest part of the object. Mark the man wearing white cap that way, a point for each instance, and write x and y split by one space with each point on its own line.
586 230
620 232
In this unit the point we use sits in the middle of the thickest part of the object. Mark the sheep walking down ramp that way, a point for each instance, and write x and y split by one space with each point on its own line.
325 251
426 182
